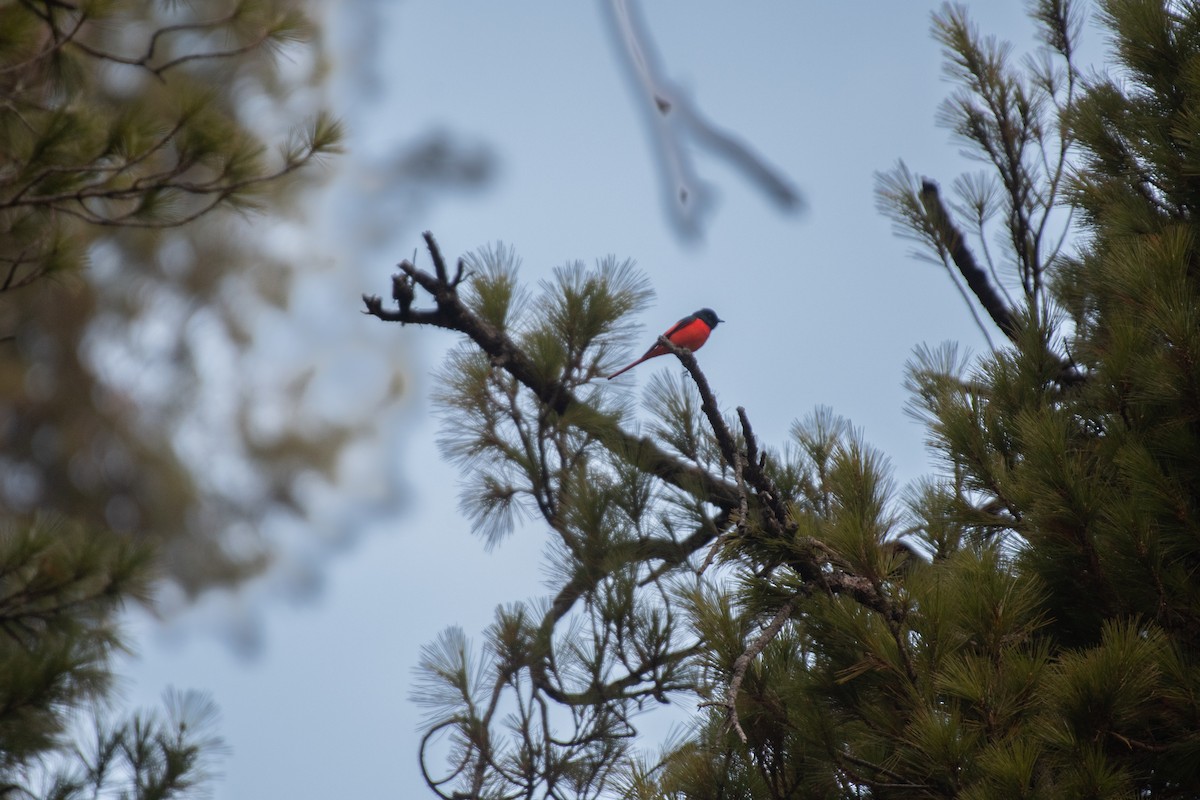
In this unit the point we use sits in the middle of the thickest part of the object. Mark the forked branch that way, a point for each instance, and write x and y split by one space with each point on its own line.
816 565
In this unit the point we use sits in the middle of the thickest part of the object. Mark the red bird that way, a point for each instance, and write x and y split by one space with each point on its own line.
690 332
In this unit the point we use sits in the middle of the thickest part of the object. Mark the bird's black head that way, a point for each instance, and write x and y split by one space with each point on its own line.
709 316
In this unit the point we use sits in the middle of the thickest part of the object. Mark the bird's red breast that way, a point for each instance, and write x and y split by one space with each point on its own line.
689 332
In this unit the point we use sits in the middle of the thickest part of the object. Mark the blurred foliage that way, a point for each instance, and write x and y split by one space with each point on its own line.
155 157
62 587
129 132
59 590
1023 623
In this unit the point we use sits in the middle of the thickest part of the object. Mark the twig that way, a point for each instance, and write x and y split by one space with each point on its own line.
708 401
742 663
673 116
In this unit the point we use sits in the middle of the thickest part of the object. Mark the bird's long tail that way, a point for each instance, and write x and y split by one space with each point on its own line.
630 366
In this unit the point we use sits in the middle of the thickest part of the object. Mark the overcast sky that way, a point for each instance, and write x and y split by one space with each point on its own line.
822 308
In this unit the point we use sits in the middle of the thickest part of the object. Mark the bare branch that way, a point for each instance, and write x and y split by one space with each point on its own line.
952 240
742 663
673 117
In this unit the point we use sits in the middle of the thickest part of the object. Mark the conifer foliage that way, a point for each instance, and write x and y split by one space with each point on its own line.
119 133
1024 623
61 588
126 138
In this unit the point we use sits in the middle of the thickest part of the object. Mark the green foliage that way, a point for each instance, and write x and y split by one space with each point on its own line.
145 756
518 451
62 587
123 142
1011 119
603 646
124 145
59 589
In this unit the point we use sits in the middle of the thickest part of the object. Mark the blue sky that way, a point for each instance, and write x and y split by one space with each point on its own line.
822 308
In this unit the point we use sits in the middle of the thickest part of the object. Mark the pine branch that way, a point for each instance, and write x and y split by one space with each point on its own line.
670 553
742 663
817 566
452 314
61 37
618 668
950 238
214 191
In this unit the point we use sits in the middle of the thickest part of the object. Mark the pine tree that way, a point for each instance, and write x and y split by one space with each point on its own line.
1022 623
128 171
62 586
120 142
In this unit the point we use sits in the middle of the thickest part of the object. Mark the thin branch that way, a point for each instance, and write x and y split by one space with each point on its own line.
708 401
742 663
57 44
683 189
143 61
743 512
773 183
981 232
672 117
898 781
777 519
953 241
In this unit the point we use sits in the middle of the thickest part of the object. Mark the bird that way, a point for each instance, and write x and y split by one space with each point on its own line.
691 332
